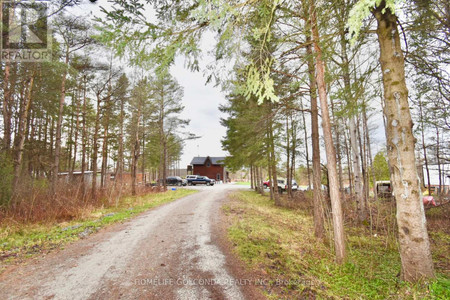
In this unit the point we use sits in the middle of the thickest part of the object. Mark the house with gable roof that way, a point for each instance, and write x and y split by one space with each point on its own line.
213 167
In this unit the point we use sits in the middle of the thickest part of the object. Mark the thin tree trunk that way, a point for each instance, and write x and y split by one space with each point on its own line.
319 228
59 124
252 186
293 150
143 153
362 214
288 156
70 139
308 168
77 128
120 159
136 149
338 146
415 251
362 151
261 180
95 148
269 168
104 152
84 136
6 108
273 165
424 147
19 140
338 222
369 148
354 137
438 160
349 163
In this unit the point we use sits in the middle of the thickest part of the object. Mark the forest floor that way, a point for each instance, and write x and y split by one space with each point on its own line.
278 243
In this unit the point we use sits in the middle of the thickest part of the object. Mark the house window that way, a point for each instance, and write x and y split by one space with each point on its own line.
208 165
218 176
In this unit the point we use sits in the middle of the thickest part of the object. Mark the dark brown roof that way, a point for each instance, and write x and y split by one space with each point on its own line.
200 160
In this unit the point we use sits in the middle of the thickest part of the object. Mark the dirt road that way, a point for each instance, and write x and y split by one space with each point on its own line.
172 252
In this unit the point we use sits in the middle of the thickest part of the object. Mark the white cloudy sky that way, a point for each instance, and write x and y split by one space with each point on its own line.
201 101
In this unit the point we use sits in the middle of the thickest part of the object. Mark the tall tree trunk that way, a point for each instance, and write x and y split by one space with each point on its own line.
269 166
288 156
84 136
357 169
120 159
274 183
415 251
136 153
362 214
105 152
369 149
144 179
293 150
424 148
6 111
308 168
338 222
362 152
59 124
70 138
438 160
319 218
335 127
77 129
134 164
261 180
25 107
349 162
252 185
95 148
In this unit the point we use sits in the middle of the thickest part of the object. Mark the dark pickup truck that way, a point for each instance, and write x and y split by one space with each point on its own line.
200 180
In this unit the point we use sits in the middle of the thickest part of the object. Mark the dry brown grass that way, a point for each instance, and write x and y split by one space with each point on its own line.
35 204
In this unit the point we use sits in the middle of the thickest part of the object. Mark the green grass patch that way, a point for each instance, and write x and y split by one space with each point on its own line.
22 241
242 183
280 243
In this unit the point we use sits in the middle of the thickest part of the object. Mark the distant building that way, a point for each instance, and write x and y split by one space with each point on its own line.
213 167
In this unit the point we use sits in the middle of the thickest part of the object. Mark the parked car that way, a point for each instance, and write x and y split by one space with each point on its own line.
202 180
282 186
189 179
174 180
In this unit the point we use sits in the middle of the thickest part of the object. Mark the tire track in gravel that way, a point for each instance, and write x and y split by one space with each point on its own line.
166 253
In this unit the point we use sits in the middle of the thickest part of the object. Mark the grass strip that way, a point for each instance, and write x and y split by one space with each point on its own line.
280 244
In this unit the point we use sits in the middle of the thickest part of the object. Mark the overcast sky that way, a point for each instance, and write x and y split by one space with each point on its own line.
201 101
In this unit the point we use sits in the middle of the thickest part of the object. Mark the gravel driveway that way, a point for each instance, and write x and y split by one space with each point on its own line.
167 253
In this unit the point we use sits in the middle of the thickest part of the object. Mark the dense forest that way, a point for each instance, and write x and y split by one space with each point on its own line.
308 85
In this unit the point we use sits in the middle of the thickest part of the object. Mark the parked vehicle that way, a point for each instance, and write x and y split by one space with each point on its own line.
174 180
202 180
189 179
384 189
282 186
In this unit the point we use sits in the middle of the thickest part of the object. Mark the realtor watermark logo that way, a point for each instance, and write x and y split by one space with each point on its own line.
26 35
